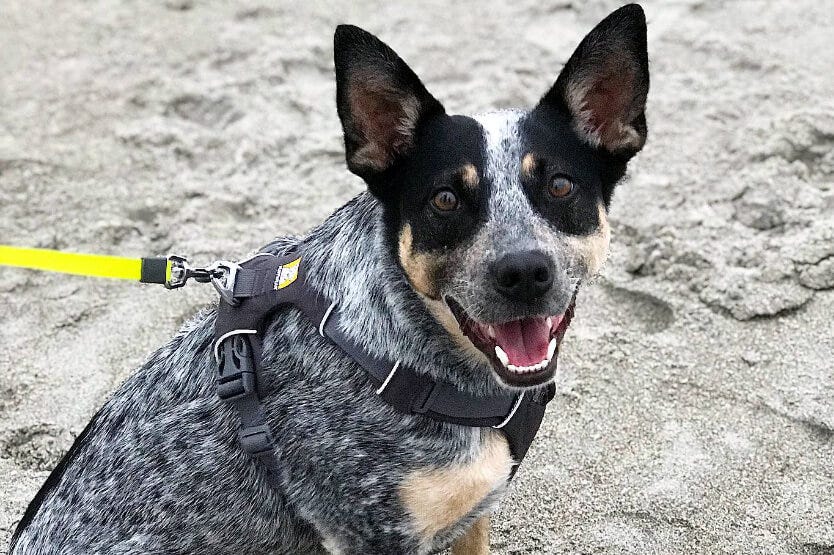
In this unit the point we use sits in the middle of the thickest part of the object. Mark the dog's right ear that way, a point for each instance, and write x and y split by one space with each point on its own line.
381 103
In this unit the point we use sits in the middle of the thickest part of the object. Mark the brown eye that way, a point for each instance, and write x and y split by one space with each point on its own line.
560 187
445 200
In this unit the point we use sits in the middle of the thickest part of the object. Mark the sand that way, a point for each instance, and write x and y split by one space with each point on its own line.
695 406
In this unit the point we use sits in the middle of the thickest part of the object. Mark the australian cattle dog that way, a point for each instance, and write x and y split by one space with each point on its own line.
462 259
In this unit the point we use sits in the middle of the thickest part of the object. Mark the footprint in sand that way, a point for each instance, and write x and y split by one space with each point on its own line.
208 112
650 313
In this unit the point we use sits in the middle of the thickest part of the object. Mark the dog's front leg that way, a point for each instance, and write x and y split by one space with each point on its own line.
475 541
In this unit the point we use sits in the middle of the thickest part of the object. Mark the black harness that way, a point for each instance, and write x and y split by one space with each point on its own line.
256 288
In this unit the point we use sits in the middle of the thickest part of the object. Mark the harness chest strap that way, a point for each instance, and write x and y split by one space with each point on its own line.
266 282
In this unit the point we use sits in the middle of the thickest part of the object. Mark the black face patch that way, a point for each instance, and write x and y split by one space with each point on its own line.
447 151
557 152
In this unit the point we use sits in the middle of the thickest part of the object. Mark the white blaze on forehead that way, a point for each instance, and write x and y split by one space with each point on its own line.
502 143
513 224
510 212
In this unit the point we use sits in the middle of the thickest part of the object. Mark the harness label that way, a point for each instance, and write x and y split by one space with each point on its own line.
287 274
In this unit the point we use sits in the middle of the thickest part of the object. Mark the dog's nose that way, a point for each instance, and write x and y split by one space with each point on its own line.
523 276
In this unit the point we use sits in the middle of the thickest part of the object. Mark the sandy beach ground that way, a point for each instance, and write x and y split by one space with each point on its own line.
695 406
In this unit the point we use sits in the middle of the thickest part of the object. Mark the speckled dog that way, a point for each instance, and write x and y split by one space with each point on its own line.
462 260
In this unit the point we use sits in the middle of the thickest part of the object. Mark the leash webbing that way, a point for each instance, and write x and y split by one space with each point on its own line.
145 270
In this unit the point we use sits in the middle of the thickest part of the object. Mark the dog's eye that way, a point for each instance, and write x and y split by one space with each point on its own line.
445 200
560 186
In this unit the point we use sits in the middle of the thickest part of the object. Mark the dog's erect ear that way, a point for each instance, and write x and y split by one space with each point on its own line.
603 86
381 102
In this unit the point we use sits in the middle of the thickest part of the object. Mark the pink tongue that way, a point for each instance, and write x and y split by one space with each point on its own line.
524 341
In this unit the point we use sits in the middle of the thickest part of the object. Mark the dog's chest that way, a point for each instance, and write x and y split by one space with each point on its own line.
436 498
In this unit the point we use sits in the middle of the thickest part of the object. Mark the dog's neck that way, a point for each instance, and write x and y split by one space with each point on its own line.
350 259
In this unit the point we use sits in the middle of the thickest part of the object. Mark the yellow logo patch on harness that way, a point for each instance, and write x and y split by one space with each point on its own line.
287 274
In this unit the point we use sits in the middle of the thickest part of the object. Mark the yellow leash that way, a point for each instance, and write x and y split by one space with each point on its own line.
146 270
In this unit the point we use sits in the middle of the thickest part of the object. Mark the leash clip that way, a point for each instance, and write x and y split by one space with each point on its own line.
221 274
182 271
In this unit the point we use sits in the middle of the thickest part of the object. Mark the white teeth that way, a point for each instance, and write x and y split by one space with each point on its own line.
526 369
551 348
491 332
502 356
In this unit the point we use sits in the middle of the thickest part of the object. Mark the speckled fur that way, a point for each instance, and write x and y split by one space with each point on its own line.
161 471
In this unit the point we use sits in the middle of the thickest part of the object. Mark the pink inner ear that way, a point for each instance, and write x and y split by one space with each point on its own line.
380 115
608 102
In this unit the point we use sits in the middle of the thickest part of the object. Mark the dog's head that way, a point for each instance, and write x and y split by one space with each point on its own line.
496 219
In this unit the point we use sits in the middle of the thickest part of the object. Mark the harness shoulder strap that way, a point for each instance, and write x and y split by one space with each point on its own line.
238 348
264 283
518 416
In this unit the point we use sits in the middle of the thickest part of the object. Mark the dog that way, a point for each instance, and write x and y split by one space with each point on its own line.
462 258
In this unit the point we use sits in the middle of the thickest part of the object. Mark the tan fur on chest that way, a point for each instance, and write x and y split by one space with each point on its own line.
439 497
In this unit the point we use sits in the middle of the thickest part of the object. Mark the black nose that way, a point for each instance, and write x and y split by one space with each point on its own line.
523 276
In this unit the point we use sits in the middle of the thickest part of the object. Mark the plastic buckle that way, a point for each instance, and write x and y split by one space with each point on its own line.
223 275
256 440
236 371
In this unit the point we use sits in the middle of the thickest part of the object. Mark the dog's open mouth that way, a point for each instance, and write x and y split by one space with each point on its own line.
523 352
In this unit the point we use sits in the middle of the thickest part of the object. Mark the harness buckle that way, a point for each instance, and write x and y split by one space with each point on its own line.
236 371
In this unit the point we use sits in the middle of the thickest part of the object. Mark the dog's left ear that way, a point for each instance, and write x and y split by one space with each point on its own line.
603 86
381 103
